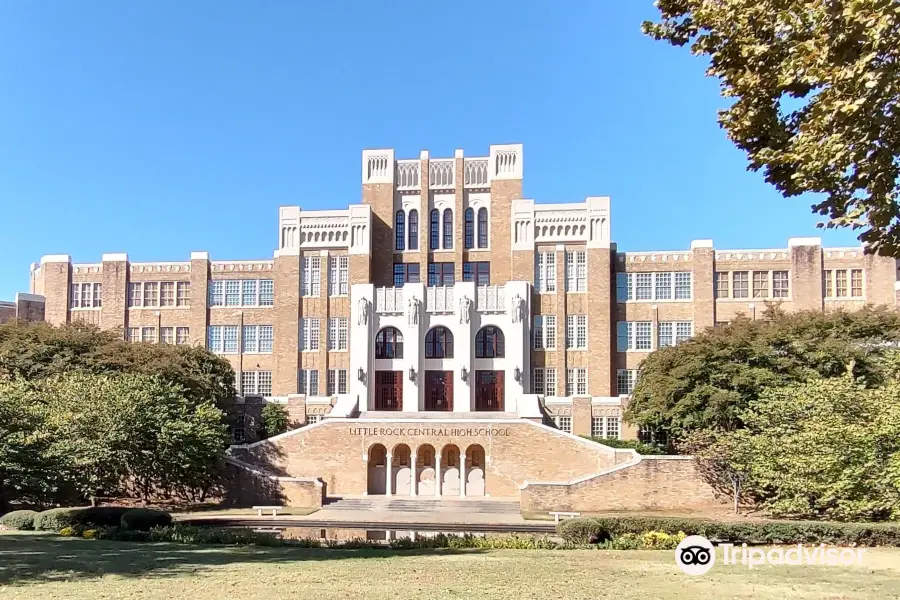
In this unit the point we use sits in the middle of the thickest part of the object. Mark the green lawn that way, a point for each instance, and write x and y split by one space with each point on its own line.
37 566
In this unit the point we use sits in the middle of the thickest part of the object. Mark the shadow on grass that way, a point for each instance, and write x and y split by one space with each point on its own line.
28 558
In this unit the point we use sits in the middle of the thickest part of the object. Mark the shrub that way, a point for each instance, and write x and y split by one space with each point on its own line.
143 519
93 516
637 446
67 531
89 534
590 530
20 520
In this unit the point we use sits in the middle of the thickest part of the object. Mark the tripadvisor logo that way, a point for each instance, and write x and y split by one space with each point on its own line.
695 555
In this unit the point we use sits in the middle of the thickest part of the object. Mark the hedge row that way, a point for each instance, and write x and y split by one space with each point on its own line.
20 520
600 529
56 519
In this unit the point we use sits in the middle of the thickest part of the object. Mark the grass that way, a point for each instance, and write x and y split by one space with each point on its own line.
36 566
231 512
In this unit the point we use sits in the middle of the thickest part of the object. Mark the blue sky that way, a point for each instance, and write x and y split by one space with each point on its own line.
158 128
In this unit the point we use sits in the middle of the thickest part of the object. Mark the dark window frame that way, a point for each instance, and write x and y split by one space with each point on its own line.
439 343
413 229
489 342
400 230
389 343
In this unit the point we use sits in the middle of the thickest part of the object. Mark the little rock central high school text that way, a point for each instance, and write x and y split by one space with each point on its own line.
448 336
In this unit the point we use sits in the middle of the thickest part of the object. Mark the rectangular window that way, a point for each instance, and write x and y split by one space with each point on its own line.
338 275
634 335
264 383
545 272
683 286
310 276
151 294
666 335
684 330
181 335
643 286
624 287
75 295
248 383
330 382
167 293
576 382
642 335
183 293
309 334
722 284
612 428
217 293
214 339
248 293
232 292
563 423
544 333
132 334
230 339
98 294
537 381
266 292
780 284
310 419
840 284
597 426
663 286
266 338
550 382
441 274
479 272
336 382
672 333
308 382
856 283
740 284
576 271
337 333
249 339
625 379
148 334
135 293
576 332
167 335
760 284
405 273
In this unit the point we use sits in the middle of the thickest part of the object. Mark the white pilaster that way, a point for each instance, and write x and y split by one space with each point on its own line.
462 473
362 334
412 483
413 338
463 340
437 472
388 474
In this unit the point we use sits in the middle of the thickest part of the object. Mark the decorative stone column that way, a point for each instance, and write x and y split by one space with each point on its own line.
437 473
412 482
462 474
388 472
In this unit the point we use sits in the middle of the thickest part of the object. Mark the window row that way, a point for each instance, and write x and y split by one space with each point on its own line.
489 343
543 381
625 379
638 335
765 284
253 339
575 271
85 295
609 428
256 383
440 229
654 286
167 335
562 422
544 332
153 294
310 333
442 273
843 283
241 292
335 382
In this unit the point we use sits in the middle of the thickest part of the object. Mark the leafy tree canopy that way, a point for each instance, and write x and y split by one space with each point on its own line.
709 381
816 87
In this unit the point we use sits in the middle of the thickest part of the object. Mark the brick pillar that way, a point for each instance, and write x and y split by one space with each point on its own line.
703 263
199 297
581 416
29 307
459 222
378 192
506 186
425 206
325 326
115 289
879 279
562 362
56 271
286 274
296 409
602 320
806 273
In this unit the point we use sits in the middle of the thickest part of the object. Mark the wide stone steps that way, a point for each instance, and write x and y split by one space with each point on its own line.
423 505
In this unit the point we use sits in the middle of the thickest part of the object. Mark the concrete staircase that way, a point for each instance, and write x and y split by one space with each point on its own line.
407 505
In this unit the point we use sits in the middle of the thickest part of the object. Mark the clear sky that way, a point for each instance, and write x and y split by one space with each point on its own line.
161 127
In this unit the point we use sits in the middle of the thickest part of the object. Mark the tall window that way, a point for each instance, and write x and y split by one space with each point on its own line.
545 272
311 276
337 333
672 333
780 284
576 332
440 274
722 286
338 275
836 283
544 332
576 382
400 230
479 272
405 273
760 284
634 335
336 382
470 229
439 343
256 383
740 284
625 379
309 334
308 382
257 338
413 230
222 339
654 286
448 229
85 295
482 228
576 271
489 342
389 343
434 230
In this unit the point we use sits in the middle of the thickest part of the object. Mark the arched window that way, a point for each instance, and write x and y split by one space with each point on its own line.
482 228
413 230
439 343
389 343
489 342
400 230
470 229
448 229
434 234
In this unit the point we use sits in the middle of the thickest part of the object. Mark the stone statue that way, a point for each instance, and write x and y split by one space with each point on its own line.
518 309
465 309
413 311
363 317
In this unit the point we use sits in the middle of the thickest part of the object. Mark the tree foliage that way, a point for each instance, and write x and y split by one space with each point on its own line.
708 381
816 87
274 420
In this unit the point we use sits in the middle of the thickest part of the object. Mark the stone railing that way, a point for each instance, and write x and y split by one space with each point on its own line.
476 172
439 299
389 300
491 298
408 174
442 173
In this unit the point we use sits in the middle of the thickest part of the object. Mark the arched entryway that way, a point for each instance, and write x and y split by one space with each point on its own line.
402 470
475 470
425 470
377 479
450 470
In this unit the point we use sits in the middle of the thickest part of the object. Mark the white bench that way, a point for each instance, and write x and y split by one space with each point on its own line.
259 509
563 515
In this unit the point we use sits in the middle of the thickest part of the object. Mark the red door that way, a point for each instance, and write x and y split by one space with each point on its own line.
489 391
439 390
388 390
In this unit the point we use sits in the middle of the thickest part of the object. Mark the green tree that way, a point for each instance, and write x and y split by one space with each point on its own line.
815 96
274 420
708 381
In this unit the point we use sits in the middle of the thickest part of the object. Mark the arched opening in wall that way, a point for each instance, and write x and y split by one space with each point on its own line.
489 342
413 230
482 227
426 470
434 230
450 470
402 470
448 229
376 477
439 343
389 343
469 232
400 230
475 459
